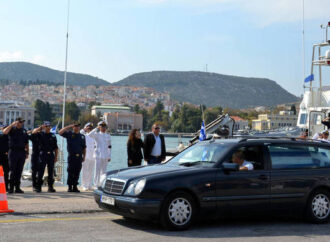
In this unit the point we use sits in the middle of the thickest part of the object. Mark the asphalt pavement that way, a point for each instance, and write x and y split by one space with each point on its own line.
47 203
64 216
110 227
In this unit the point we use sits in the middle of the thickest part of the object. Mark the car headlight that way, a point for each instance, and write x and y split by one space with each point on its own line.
103 179
136 187
139 186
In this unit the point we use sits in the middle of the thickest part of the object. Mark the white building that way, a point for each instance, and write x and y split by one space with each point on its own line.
113 108
274 121
9 111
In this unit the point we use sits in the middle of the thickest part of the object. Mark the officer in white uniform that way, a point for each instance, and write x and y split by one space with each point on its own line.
102 152
89 163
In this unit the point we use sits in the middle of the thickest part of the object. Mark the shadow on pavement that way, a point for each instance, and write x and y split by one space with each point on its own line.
46 195
234 228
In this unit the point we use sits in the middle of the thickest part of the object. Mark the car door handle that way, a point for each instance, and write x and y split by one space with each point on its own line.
263 177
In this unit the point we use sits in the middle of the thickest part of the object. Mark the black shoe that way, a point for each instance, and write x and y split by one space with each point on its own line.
37 189
51 189
18 190
75 189
70 189
10 190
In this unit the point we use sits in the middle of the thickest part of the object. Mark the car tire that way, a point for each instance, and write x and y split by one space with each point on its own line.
178 211
318 206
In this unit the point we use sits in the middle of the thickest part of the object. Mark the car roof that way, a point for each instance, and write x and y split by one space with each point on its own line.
274 140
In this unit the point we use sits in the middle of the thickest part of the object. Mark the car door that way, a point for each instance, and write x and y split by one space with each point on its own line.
238 192
293 174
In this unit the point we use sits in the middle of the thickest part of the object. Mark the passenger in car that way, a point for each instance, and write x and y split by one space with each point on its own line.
238 158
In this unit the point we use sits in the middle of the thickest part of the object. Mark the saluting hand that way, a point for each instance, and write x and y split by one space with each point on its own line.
14 123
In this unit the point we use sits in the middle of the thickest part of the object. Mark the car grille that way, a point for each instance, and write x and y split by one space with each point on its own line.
113 186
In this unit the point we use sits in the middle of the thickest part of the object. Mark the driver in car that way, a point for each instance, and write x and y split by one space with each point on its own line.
238 158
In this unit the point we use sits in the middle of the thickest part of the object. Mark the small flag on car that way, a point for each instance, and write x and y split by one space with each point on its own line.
53 130
202 135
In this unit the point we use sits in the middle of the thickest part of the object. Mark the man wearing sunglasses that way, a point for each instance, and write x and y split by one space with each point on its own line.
76 145
102 152
154 146
18 152
48 155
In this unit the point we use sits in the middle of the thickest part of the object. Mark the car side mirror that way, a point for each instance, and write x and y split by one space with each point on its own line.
226 166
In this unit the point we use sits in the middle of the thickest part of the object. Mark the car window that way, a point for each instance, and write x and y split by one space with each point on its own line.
298 157
321 156
205 153
251 155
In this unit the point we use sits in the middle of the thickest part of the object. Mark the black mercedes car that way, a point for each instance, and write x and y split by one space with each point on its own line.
288 175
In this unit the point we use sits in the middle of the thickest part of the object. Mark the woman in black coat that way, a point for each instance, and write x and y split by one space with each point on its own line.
134 148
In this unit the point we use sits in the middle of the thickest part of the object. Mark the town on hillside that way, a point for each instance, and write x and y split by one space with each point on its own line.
127 107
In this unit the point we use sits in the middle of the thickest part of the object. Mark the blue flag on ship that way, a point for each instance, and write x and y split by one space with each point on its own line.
309 78
53 130
202 135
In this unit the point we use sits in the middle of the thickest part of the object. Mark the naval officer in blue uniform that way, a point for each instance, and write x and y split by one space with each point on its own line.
48 155
34 158
76 145
18 152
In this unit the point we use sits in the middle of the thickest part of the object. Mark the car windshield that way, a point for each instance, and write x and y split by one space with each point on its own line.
202 153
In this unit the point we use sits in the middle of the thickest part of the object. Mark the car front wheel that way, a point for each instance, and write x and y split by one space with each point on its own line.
178 211
318 206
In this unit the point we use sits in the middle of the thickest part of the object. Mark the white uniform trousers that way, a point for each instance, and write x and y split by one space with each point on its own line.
100 169
87 173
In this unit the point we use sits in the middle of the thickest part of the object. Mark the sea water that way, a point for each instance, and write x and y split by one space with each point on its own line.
118 151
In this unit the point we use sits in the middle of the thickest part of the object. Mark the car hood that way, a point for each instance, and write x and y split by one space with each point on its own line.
144 171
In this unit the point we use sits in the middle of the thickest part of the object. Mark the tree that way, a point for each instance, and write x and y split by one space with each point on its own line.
86 117
72 111
93 103
136 108
43 112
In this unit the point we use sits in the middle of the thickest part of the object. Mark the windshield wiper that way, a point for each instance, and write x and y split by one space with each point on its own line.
192 163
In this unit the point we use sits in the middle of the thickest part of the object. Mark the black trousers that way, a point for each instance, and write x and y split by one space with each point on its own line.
16 165
74 168
5 166
35 167
46 159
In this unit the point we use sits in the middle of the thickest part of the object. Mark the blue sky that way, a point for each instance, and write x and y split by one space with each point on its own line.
112 39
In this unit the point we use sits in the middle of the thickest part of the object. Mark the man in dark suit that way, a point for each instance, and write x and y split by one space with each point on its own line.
154 146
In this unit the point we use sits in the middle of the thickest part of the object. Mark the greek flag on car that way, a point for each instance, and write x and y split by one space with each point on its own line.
202 135
53 130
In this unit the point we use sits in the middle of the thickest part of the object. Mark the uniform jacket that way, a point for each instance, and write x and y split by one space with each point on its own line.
18 138
90 146
75 142
102 144
149 142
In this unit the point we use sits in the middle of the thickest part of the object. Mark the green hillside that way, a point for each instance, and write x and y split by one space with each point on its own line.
213 89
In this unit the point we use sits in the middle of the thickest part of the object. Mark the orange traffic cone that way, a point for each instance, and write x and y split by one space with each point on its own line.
3 195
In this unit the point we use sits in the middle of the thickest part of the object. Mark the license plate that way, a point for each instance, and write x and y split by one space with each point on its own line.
108 200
